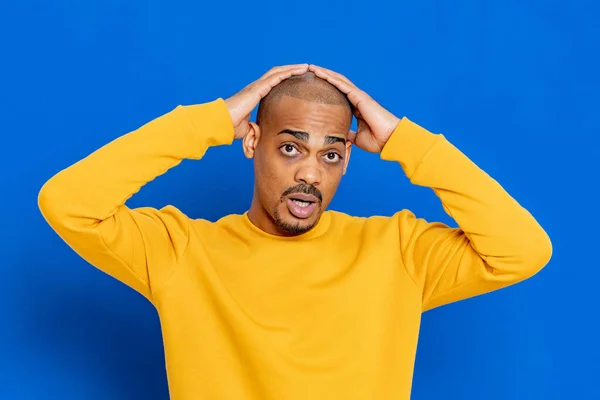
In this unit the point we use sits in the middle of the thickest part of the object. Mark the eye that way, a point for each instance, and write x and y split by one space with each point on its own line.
332 157
288 149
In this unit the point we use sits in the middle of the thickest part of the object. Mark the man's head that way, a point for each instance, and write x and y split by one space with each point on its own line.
300 151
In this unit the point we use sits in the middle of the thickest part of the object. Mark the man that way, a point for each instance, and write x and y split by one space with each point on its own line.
290 300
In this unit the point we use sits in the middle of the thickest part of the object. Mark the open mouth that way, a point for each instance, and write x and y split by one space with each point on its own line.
302 203
301 208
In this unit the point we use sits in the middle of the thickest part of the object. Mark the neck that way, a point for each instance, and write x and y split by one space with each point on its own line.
260 217
263 220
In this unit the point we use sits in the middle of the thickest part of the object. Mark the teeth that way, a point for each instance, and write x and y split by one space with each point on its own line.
301 203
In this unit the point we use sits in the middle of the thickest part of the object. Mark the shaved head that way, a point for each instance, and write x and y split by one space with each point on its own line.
300 148
307 87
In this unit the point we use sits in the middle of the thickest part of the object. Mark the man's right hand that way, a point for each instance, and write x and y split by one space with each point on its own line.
243 103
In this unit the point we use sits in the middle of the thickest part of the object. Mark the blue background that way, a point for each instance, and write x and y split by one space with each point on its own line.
513 84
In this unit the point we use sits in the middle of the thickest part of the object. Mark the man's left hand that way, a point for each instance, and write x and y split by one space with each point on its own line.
375 123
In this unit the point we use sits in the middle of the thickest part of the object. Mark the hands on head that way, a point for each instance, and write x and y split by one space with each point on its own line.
243 103
375 123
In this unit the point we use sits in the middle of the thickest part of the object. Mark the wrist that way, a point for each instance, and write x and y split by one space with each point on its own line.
393 127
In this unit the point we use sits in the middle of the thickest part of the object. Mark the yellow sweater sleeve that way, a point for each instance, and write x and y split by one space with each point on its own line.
497 242
85 203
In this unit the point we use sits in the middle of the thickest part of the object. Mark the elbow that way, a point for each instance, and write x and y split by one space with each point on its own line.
49 204
536 254
44 201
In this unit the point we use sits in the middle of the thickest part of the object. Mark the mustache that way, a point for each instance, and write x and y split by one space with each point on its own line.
306 189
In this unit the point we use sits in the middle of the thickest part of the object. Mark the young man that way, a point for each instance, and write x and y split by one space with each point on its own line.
290 300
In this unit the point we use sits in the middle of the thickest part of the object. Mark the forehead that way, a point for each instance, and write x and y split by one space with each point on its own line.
312 117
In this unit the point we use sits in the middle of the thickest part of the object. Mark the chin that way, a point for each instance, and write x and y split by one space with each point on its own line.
291 224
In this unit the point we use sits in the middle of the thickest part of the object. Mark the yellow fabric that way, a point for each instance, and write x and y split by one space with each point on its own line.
330 314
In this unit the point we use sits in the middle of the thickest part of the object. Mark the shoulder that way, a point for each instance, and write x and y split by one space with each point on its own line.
171 216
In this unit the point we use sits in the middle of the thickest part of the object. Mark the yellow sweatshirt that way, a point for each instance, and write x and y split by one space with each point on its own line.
330 314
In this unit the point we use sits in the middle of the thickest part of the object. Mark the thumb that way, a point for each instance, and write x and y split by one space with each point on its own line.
351 136
242 128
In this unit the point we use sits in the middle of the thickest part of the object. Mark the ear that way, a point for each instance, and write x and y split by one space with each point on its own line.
347 159
251 139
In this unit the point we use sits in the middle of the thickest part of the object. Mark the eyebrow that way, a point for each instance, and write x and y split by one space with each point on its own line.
303 136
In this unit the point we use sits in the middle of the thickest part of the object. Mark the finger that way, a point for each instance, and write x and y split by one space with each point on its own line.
277 69
284 74
282 68
354 94
340 84
340 81
313 68
273 71
351 136
264 86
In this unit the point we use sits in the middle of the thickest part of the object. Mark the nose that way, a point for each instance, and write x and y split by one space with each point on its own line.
309 174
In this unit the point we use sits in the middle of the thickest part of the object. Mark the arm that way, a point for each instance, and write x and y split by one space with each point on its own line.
85 203
497 243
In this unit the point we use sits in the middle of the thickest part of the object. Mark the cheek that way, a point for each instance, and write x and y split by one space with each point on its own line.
332 183
271 181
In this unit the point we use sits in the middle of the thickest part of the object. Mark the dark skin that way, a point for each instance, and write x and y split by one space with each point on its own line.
286 163
303 145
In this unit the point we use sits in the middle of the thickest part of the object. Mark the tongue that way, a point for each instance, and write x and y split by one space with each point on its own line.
299 211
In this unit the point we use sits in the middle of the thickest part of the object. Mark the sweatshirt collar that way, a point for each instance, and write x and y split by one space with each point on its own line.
319 229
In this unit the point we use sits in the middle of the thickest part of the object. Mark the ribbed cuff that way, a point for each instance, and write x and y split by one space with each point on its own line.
408 145
212 121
